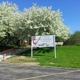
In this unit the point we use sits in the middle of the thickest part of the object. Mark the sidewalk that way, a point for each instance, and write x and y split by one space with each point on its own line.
8 54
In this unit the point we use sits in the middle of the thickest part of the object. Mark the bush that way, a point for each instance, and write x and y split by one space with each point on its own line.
74 39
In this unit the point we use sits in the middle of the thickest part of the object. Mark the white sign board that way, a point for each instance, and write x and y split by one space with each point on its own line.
43 41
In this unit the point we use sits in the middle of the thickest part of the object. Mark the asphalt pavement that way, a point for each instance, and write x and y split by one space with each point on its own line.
10 71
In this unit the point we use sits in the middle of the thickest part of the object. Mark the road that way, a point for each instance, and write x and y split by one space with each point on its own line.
24 72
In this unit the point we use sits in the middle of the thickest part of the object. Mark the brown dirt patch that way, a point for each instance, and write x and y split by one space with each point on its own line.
32 64
22 60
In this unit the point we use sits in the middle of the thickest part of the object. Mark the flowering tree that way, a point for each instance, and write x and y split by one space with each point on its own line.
8 18
42 20
33 21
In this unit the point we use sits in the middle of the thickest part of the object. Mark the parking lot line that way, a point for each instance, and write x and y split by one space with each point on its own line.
53 74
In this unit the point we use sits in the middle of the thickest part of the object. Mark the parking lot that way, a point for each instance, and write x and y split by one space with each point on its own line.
24 72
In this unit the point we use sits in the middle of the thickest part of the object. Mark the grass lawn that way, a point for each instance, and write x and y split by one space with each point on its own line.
67 56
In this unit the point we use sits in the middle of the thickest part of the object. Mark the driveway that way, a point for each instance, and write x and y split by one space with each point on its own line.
24 72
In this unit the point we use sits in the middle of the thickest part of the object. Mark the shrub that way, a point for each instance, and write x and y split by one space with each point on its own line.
74 39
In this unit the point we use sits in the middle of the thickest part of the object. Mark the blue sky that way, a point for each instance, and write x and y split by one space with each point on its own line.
69 8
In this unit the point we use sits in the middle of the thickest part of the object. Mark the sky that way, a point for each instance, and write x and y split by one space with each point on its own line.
70 10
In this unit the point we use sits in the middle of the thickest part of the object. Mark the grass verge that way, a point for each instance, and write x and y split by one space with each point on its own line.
67 56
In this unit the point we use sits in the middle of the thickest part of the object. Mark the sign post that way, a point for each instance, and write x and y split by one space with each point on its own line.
43 41
31 51
55 51
54 45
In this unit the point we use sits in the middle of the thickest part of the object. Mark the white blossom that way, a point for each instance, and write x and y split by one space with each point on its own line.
33 21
